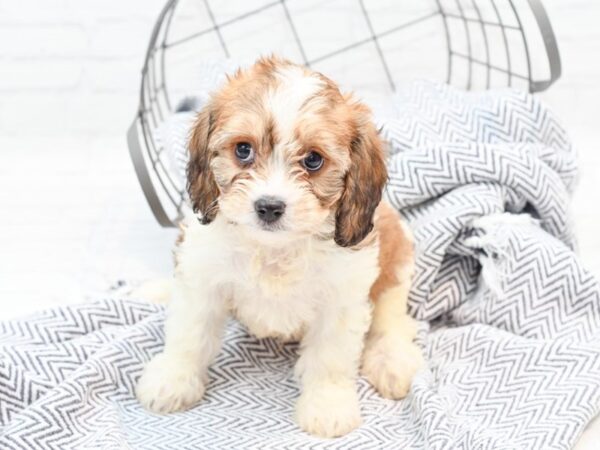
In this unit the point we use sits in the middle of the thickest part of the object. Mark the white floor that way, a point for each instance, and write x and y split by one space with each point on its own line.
74 221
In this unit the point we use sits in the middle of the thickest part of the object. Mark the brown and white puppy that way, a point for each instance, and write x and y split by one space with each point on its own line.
286 175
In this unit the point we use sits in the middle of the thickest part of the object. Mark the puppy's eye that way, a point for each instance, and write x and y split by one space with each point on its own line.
244 152
313 162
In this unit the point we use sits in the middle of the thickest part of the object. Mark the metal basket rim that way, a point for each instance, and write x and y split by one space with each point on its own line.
136 146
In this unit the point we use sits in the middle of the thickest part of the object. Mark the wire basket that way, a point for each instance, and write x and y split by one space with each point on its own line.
365 45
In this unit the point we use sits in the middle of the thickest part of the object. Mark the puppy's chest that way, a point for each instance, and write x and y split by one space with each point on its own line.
276 293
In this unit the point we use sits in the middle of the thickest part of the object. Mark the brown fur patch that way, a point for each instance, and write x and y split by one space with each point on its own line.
364 182
395 249
201 184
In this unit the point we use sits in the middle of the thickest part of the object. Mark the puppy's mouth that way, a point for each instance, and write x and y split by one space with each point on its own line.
271 227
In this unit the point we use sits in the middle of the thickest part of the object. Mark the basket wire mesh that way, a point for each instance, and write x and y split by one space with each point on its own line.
486 43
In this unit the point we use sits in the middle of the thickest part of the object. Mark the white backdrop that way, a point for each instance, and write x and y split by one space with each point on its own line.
72 217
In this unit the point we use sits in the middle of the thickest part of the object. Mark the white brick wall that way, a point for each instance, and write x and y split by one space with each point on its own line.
71 67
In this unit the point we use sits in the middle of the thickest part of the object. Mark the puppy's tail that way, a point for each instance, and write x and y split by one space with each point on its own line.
158 290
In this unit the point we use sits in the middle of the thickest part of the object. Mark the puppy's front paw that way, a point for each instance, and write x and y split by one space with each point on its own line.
390 363
328 410
170 384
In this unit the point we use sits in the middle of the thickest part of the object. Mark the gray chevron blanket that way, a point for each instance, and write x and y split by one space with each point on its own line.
510 320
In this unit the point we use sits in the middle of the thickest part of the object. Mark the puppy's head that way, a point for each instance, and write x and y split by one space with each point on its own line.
282 153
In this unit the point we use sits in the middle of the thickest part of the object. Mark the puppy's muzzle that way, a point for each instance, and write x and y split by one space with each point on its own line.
269 209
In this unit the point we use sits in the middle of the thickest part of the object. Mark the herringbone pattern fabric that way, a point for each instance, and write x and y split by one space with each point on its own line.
510 320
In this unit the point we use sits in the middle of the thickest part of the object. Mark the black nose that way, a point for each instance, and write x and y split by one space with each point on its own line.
269 209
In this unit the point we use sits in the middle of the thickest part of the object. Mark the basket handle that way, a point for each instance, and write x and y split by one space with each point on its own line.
141 170
541 17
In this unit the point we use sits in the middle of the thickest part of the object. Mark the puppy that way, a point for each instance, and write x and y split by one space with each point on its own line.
286 175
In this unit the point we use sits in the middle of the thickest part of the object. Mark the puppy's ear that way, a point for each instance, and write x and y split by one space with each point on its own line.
201 185
364 182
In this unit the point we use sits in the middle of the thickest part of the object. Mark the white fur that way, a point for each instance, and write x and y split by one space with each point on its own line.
278 184
285 101
311 289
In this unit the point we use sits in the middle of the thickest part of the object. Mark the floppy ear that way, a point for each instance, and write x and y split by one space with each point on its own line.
201 185
364 182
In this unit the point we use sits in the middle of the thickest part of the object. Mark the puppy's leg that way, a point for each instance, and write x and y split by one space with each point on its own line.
328 368
175 379
391 359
